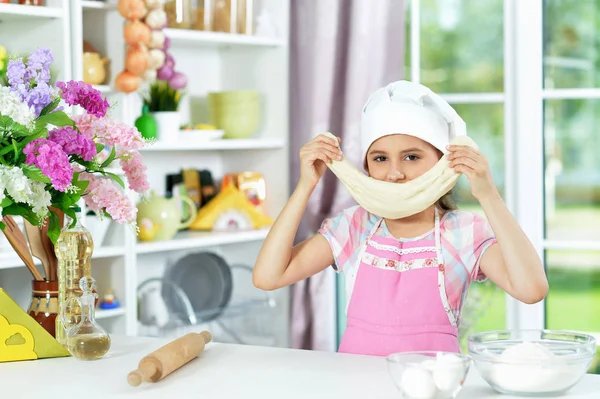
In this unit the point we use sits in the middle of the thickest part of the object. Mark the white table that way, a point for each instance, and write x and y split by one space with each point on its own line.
226 371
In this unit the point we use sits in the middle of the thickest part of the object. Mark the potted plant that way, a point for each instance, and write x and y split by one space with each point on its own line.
163 98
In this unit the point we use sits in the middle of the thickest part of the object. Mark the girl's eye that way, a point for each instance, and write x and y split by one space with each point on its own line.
411 157
380 158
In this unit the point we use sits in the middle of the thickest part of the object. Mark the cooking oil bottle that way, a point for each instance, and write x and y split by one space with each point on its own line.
73 250
87 340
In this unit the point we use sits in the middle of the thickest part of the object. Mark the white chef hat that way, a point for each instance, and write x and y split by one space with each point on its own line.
409 108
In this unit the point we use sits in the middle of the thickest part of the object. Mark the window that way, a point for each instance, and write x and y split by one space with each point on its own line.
460 55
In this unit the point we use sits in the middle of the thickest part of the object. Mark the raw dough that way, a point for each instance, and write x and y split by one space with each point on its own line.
398 200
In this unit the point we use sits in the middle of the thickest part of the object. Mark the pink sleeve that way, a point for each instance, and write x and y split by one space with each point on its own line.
342 231
483 238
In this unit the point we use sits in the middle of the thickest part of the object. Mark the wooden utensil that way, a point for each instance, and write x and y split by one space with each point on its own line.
168 358
17 241
34 236
49 246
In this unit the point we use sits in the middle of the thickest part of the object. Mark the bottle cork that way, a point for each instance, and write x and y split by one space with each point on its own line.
168 358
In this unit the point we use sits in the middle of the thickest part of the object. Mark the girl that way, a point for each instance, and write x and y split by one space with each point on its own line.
406 279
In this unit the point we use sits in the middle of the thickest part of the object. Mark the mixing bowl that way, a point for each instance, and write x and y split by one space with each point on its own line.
532 362
428 375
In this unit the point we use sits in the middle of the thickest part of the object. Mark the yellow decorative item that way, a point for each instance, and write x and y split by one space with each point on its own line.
21 337
229 200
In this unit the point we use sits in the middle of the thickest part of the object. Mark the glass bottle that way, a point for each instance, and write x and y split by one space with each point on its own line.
179 14
73 250
87 340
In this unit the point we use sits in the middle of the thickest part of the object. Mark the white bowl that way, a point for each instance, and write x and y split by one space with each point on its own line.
532 362
428 375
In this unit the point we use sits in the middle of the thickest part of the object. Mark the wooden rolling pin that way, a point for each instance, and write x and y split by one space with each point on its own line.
168 358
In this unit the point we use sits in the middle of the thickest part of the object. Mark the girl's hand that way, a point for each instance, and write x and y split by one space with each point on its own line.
314 157
474 165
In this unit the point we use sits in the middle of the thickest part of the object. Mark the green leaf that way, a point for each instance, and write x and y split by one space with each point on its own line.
114 177
5 202
58 118
2 226
53 227
50 107
70 212
110 158
36 135
8 125
17 209
99 147
34 173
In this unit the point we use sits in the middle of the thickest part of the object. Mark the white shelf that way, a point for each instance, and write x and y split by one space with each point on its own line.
98 5
217 145
108 313
189 36
10 260
198 239
17 11
103 88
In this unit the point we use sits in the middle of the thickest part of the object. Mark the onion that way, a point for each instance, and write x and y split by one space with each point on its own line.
132 9
157 58
137 60
164 72
156 18
157 39
127 82
136 32
178 81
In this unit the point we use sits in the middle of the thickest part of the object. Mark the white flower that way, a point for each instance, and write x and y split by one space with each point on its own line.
24 190
12 106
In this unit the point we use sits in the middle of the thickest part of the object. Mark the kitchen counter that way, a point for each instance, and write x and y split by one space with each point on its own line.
227 371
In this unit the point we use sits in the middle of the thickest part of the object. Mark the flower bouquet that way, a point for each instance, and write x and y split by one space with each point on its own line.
49 160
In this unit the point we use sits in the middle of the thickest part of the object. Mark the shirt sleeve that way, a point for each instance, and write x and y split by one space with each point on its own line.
483 238
468 235
343 232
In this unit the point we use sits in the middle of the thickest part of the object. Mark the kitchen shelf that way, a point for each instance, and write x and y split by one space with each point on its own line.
10 260
18 11
197 37
109 313
98 5
218 145
103 88
198 239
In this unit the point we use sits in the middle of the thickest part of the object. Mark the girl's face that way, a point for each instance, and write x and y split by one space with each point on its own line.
399 158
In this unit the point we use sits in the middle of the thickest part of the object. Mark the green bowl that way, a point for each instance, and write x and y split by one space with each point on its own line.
238 115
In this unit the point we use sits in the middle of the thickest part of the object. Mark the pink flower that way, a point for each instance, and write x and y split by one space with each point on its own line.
50 158
74 143
135 170
104 194
109 132
84 95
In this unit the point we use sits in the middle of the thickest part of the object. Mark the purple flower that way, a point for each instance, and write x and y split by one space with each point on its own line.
84 95
73 143
39 97
38 65
31 81
50 158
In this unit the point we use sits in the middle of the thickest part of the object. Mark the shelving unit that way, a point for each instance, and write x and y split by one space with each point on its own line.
212 61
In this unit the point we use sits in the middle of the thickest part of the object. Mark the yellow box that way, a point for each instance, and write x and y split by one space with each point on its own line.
21 337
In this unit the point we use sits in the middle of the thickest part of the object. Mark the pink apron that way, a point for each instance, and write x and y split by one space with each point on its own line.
399 300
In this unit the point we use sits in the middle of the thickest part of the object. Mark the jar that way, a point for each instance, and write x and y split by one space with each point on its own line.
233 16
203 13
32 2
179 14
44 304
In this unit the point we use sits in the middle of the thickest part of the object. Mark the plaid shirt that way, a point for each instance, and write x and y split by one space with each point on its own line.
464 238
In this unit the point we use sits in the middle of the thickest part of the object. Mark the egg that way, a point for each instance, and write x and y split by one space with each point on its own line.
448 372
417 382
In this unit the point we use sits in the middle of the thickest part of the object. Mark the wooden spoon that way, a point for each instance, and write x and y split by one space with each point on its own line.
34 236
17 241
